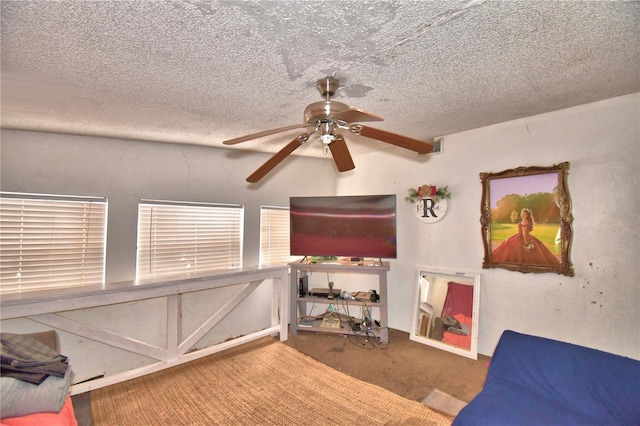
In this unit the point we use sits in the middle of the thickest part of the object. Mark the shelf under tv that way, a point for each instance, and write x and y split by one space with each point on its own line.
344 327
298 305
337 300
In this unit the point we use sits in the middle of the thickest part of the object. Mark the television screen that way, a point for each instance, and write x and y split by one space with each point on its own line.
353 226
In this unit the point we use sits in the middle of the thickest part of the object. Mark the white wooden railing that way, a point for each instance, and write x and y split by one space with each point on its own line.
44 307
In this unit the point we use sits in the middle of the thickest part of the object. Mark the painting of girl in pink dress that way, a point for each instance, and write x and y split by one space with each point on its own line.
526 219
524 247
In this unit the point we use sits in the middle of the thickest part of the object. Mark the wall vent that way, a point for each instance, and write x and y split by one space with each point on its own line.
438 146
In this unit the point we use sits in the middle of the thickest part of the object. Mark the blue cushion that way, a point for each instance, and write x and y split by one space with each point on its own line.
534 380
504 403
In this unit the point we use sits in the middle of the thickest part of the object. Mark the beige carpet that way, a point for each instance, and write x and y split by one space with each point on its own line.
260 383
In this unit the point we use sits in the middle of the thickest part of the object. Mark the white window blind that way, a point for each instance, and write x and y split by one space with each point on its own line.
274 236
176 237
49 241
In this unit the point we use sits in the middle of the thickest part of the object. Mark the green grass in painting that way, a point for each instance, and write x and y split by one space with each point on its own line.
545 233
502 231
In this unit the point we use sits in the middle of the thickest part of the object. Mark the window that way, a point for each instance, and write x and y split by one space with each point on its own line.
49 241
178 237
274 235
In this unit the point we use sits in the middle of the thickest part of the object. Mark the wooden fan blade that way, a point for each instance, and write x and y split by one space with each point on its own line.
341 154
265 133
276 159
398 140
355 115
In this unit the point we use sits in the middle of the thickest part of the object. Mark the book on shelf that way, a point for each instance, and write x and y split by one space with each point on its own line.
306 321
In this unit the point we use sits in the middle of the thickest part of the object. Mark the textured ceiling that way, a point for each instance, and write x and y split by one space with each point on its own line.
201 72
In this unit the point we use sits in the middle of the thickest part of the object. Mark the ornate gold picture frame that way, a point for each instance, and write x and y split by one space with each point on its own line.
526 219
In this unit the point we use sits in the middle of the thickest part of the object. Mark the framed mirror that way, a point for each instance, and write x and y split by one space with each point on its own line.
446 308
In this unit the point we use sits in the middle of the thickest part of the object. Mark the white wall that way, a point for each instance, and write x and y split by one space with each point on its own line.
125 172
598 307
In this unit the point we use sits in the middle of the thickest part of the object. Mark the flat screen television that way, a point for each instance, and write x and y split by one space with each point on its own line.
351 226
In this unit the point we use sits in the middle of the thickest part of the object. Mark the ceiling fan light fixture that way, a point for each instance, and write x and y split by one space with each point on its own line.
356 129
326 139
323 110
326 117
303 138
327 86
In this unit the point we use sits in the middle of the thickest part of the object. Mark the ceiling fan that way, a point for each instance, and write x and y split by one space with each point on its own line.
325 119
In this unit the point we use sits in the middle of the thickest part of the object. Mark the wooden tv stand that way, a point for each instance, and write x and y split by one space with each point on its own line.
298 305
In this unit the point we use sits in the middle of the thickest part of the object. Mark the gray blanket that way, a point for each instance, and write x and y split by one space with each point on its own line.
25 358
35 378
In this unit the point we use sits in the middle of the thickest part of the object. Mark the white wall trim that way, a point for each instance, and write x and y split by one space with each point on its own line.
46 307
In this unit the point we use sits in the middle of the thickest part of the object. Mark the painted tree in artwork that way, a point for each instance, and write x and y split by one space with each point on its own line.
542 204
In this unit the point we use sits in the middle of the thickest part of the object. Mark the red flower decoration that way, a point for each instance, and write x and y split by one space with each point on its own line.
427 191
